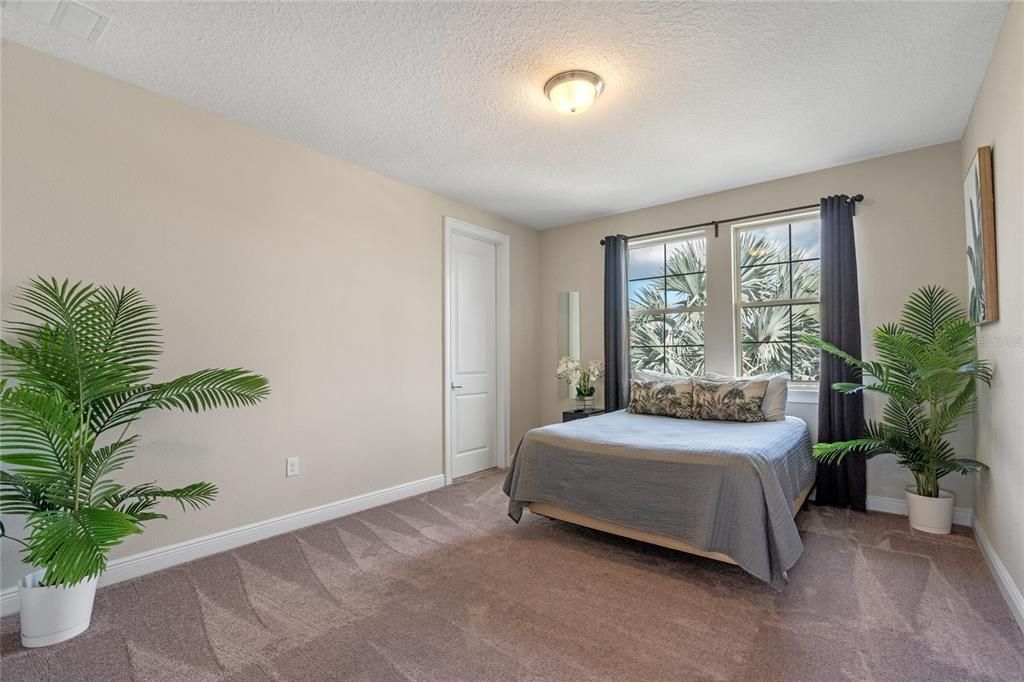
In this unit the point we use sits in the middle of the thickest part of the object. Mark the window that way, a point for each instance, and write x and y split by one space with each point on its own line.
674 327
778 280
667 298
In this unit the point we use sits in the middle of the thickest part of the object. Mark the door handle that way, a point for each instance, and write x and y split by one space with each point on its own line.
455 385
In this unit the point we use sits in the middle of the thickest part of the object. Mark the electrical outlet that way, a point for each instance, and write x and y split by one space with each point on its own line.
292 466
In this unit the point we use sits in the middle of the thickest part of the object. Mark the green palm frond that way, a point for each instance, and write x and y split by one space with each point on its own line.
116 410
73 544
928 370
196 392
97 486
907 418
79 366
65 346
22 496
208 389
41 432
876 370
930 309
143 497
831 453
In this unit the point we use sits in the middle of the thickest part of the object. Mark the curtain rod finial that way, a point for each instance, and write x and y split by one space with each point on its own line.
857 197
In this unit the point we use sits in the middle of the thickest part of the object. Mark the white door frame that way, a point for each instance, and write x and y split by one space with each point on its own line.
502 346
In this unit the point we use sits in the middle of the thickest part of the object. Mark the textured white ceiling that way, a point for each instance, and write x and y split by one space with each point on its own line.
699 97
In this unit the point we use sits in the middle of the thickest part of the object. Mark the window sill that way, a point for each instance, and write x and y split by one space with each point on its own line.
803 394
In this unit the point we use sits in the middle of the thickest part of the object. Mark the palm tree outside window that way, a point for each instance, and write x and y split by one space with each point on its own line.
667 300
778 293
776 299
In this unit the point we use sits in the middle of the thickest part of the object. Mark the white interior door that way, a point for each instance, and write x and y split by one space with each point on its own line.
473 362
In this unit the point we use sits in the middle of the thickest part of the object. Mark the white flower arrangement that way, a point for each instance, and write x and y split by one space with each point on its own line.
572 372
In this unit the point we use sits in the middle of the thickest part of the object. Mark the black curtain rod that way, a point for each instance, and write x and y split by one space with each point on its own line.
856 198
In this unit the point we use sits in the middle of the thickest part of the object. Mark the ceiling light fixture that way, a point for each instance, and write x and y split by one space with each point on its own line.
573 91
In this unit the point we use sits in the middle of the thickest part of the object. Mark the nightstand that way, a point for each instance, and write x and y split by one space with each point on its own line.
573 415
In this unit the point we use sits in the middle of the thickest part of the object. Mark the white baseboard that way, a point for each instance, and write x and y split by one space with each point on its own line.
962 516
158 559
1012 593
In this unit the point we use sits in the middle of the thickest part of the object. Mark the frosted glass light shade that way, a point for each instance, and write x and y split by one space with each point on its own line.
573 92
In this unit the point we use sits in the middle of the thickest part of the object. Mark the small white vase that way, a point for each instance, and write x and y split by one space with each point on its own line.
930 514
53 614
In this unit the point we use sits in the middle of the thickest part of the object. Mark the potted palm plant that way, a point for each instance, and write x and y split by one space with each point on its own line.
77 379
928 369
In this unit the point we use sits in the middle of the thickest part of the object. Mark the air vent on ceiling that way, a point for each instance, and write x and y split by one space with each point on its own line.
66 16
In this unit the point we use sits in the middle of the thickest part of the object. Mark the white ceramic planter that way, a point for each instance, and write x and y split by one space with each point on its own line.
930 514
53 614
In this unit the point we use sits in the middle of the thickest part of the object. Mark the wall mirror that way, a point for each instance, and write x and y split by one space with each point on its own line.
568 333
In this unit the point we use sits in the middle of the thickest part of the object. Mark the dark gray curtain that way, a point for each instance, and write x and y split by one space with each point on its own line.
616 323
840 417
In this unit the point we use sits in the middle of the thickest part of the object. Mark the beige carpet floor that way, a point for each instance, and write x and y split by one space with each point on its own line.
445 587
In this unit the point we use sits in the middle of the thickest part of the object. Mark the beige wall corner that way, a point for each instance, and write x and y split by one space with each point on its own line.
998 120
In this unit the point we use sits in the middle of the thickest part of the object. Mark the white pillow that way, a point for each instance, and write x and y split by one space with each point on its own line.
652 375
774 404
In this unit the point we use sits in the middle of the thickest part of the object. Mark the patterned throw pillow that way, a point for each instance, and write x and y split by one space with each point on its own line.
665 398
733 401
774 404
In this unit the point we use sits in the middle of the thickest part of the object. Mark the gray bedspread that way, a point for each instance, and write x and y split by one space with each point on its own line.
721 486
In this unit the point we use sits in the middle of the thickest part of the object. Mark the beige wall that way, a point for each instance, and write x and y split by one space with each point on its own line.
998 120
909 233
260 253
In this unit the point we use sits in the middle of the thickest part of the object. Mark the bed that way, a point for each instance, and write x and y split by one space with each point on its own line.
727 491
